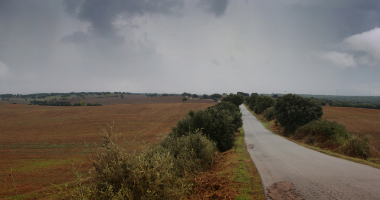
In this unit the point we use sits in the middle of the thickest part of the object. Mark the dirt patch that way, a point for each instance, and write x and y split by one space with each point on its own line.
283 191
211 185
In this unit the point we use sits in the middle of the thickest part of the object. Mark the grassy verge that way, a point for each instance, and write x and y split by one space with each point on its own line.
232 176
269 126
245 173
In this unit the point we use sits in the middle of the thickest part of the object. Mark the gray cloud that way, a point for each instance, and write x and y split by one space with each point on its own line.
101 14
217 7
76 37
150 45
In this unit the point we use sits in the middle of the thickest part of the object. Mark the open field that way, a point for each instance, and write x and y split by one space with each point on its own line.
128 99
41 141
359 121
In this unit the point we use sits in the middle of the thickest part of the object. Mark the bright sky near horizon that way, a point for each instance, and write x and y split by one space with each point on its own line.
195 46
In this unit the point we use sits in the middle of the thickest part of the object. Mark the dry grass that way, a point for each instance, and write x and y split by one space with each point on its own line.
359 121
41 141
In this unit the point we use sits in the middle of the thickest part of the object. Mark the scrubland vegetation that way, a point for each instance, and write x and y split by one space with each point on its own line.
300 118
164 170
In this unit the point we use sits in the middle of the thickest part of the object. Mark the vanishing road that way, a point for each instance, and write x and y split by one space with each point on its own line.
314 175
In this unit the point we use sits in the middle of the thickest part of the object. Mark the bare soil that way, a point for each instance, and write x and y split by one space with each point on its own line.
40 142
283 191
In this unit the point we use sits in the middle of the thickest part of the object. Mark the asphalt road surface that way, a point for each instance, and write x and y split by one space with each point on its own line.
314 175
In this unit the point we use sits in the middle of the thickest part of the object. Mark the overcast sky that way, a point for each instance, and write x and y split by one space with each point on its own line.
195 46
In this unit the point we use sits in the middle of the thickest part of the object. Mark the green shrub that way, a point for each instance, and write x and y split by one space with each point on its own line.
357 147
193 152
234 112
293 111
262 103
332 131
269 113
215 123
160 172
184 99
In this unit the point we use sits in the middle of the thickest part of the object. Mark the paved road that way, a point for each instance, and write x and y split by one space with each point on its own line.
314 175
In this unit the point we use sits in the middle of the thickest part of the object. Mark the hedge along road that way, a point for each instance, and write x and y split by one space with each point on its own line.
314 175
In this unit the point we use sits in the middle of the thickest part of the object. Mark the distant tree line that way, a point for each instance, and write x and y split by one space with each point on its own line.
60 103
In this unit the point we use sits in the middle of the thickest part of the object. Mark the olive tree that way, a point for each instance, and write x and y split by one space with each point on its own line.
293 111
262 103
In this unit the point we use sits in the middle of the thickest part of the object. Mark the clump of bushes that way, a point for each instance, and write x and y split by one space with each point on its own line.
322 131
269 114
219 123
164 170
334 136
293 111
262 103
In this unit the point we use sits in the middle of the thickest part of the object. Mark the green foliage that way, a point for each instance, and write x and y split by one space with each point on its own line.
358 148
243 94
293 111
213 96
185 94
195 96
251 101
234 113
160 172
193 152
218 123
262 103
184 99
235 99
332 131
82 103
269 113
205 96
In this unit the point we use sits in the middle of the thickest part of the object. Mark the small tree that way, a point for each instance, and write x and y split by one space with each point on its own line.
184 99
195 96
82 103
293 111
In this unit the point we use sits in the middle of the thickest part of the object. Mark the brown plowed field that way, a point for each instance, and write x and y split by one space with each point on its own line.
359 121
41 141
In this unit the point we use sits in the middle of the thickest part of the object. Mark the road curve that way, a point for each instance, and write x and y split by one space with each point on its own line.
314 175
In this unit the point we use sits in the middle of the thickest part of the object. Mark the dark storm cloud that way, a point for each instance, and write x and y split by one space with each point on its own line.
217 7
101 14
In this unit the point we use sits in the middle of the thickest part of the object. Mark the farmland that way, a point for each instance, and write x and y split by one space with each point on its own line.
40 142
359 121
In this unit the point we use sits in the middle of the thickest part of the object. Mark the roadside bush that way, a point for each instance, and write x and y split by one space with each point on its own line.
357 147
216 124
252 101
184 99
293 111
269 113
323 131
161 172
262 103
193 152
234 112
